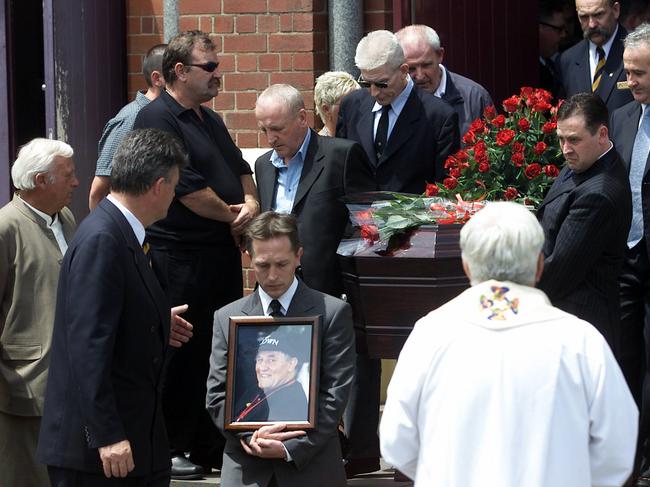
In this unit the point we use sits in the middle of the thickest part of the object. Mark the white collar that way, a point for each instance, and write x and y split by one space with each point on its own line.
442 87
136 225
49 220
285 299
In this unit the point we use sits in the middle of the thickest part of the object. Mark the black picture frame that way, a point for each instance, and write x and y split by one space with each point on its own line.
259 387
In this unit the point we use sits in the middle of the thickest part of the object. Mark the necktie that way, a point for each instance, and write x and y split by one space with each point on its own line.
276 309
381 137
600 68
637 168
145 249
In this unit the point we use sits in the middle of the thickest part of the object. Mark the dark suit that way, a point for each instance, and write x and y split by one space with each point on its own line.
331 169
575 73
110 334
425 133
316 457
286 403
586 218
467 98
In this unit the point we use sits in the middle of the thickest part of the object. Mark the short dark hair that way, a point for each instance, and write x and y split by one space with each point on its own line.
143 156
590 106
547 8
270 225
153 61
179 50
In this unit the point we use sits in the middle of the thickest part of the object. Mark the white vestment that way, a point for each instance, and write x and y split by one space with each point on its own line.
497 388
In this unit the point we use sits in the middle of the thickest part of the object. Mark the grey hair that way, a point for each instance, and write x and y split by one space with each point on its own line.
502 242
287 93
420 31
331 87
638 37
379 48
37 157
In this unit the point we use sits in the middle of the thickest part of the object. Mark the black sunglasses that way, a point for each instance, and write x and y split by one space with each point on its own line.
209 67
367 84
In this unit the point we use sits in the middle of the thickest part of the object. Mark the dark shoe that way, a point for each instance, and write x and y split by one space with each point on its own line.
357 466
183 469
642 481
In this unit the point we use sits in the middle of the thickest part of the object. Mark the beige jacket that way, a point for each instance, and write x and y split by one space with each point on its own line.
29 271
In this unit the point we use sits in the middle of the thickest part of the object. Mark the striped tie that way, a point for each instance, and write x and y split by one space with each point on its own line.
600 68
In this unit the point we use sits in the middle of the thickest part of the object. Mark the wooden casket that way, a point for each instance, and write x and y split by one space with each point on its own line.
389 293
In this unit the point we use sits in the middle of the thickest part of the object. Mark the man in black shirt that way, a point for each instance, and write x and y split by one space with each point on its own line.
194 250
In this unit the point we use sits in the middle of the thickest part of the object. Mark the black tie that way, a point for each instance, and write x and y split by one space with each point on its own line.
382 132
276 309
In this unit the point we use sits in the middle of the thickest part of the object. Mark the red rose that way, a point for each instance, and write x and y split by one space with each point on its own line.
450 162
469 138
499 121
454 172
511 104
543 94
364 215
450 183
504 137
490 112
551 171
369 233
482 158
533 170
529 202
526 91
518 159
541 106
477 125
510 193
461 155
484 167
518 146
523 124
480 147
539 148
549 127
431 190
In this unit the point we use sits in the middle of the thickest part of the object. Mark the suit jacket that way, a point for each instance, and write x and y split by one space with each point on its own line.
586 218
575 73
30 260
624 124
425 134
110 335
317 460
467 98
332 168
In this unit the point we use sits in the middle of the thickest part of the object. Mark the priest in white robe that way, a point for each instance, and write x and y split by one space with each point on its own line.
497 388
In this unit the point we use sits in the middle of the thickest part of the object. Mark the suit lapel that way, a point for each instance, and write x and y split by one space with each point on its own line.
402 131
583 69
559 187
311 169
613 67
365 128
267 175
253 305
302 303
628 134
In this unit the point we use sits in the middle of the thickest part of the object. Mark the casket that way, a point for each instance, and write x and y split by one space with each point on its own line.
389 293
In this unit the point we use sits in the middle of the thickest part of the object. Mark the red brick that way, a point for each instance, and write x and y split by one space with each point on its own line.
135 82
244 6
267 23
224 101
218 42
134 63
136 8
133 26
303 61
308 96
286 23
146 25
261 140
226 63
311 118
246 62
188 22
246 81
199 7
245 260
248 291
240 120
269 62
224 23
303 22
291 42
142 43
301 81
158 25
245 24
245 101
290 5
377 21
245 43
286 62
206 23
247 139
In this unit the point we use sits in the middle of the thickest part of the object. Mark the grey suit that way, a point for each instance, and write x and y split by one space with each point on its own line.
316 457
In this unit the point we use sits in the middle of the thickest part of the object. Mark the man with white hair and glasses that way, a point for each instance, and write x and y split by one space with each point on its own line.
498 387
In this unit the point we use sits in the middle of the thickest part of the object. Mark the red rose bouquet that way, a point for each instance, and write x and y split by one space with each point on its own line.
514 156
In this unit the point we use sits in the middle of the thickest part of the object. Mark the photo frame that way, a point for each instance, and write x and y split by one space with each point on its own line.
273 370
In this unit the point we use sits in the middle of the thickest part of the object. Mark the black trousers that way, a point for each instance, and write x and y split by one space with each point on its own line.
205 280
63 477
633 344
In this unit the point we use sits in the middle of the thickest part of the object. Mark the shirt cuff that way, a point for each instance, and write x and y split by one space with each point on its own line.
288 459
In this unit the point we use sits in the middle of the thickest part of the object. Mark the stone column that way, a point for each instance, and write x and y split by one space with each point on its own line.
345 32
170 19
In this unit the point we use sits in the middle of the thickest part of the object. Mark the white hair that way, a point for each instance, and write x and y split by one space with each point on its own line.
420 32
37 157
379 48
638 37
502 242
331 87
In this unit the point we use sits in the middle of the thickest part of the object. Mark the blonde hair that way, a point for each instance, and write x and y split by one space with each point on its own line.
331 87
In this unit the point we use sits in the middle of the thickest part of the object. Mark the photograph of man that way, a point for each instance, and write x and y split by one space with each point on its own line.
280 396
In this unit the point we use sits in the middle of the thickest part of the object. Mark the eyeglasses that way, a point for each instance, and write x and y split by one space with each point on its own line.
209 67
367 84
556 28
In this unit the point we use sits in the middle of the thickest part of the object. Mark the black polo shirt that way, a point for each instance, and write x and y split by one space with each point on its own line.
215 162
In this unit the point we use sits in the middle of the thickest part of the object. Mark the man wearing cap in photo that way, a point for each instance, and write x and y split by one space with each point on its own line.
278 395
271 456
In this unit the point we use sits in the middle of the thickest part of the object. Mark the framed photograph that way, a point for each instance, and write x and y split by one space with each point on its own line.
272 374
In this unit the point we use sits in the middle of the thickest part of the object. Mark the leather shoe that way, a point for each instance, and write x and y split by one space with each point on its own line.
183 469
358 466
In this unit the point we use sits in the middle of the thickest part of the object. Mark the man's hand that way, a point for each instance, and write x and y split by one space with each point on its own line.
266 442
245 212
180 330
117 459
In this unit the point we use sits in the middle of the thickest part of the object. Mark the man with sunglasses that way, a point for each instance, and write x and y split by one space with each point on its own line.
407 134
194 250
